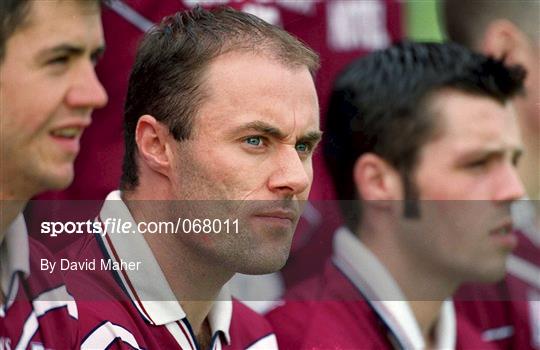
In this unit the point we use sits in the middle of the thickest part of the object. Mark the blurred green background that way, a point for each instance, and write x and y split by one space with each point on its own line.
421 20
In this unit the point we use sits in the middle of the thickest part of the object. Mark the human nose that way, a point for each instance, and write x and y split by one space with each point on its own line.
86 90
509 187
291 175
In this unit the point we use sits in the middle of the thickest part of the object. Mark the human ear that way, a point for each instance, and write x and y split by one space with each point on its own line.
152 138
376 180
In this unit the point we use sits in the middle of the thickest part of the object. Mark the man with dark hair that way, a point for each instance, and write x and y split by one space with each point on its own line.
221 119
509 30
422 146
48 90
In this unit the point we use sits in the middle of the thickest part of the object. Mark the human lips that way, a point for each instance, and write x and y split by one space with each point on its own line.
503 234
503 229
278 216
69 130
67 135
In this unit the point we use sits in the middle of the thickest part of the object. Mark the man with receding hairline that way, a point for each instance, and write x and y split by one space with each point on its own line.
221 121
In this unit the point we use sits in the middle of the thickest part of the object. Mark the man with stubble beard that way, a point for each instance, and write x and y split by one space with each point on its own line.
221 120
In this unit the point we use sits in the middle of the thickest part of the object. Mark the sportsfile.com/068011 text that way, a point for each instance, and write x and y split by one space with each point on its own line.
119 226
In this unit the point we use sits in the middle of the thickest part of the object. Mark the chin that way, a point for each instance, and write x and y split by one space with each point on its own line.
58 181
492 274
262 265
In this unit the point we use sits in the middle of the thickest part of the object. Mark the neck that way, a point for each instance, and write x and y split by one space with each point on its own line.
423 286
427 313
194 280
11 205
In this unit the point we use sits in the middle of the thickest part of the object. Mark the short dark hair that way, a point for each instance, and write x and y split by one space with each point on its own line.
167 77
381 104
13 14
466 20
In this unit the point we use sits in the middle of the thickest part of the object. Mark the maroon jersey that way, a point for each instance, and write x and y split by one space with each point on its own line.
356 304
38 312
339 30
508 313
125 301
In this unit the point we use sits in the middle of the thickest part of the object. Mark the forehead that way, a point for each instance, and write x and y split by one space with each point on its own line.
245 85
39 11
52 19
468 120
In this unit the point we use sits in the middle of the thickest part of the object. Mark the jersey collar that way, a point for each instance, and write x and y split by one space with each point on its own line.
154 298
14 257
376 283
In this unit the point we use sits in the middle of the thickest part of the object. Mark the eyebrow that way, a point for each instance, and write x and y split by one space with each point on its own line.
312 137
72 50
270 130
515 153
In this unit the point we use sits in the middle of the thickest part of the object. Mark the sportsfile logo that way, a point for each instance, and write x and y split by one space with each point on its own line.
120 226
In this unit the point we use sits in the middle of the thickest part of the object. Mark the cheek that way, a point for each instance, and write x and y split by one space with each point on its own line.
435 187
219 175
451 185
28 115
309 171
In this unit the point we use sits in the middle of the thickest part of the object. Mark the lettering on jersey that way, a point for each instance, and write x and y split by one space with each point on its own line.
356 24
262 9
193 3
268 13
304 7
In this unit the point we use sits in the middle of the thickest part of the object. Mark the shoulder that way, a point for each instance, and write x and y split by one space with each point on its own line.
250 330
42 307
326 312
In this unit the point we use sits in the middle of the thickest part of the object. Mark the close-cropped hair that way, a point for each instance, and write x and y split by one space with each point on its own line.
13 15
167 79
465 21
380 104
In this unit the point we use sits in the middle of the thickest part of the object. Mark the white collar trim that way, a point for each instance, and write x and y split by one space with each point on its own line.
376 283
156 301
14 256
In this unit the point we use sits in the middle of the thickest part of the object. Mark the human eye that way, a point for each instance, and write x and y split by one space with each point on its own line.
516 158
303 147
96 56
58 60
478 164
58 64
254 141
